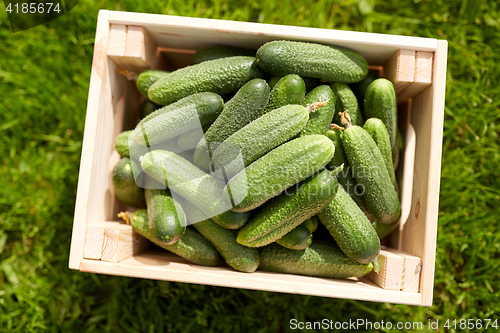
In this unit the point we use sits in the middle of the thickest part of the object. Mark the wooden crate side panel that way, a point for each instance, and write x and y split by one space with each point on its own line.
419 236
151 265
423 75
95 100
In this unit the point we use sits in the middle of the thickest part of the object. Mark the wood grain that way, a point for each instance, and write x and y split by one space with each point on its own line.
423 75
400 69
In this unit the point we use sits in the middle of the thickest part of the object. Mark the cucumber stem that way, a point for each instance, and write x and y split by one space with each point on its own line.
336 127
337 170
128 74
124 216
345 118
314 106
376 266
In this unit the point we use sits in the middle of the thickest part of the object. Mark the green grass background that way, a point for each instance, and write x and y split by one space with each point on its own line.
44 79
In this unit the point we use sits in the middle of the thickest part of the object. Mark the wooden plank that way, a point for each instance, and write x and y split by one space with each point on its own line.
95 98
423 75
419 237
94 242
398 271
121 241
196 33
117 40
140 49
400 69
164 266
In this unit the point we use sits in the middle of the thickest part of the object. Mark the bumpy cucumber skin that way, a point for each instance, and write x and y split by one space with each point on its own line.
321 259
298 239
359 88
279 169
311 223
239 257
350 228
376 128
370 172
121 143
186 180
380 102
146 79
175 119
290 89
190 140
191 246
283 213
310 82
332 63
124 184
220 76
345 176
167 220
220 51
247 105
320 119
346 100
147 107
259 137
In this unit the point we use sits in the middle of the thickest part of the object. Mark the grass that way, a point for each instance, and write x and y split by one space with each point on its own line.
44 76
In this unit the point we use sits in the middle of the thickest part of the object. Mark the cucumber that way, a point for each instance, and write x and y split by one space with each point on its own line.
321 259
398 148
283 213
220 51
147 107
185 115
359 88
239 257
191 246
311 223
298 239
257 138
350 228
310 82
380 102
290 89
383 230
193 184
332 63
345 176
272 81
167 220
124 183
320 119
279 169
371 173
376 128
246 106
189 140
346 100
220 76
121 143
146 79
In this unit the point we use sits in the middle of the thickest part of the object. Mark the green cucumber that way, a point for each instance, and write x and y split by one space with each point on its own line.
246 106
321 259
220 51
147 107
189 140
167 220
371 173
332 63
175 119
121 143
398 148
310 82
146 79
298 239
283 213
239 257
191 246
290 89
345 100
124 183
279 169
257 138
376 128
380 102
359 88
311 223
320 118
350 228
220 76
383 230
193 184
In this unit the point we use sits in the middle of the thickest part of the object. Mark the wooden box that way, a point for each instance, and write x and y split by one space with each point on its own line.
133 41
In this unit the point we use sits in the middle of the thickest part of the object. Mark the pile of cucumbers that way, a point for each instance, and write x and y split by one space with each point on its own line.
281 160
